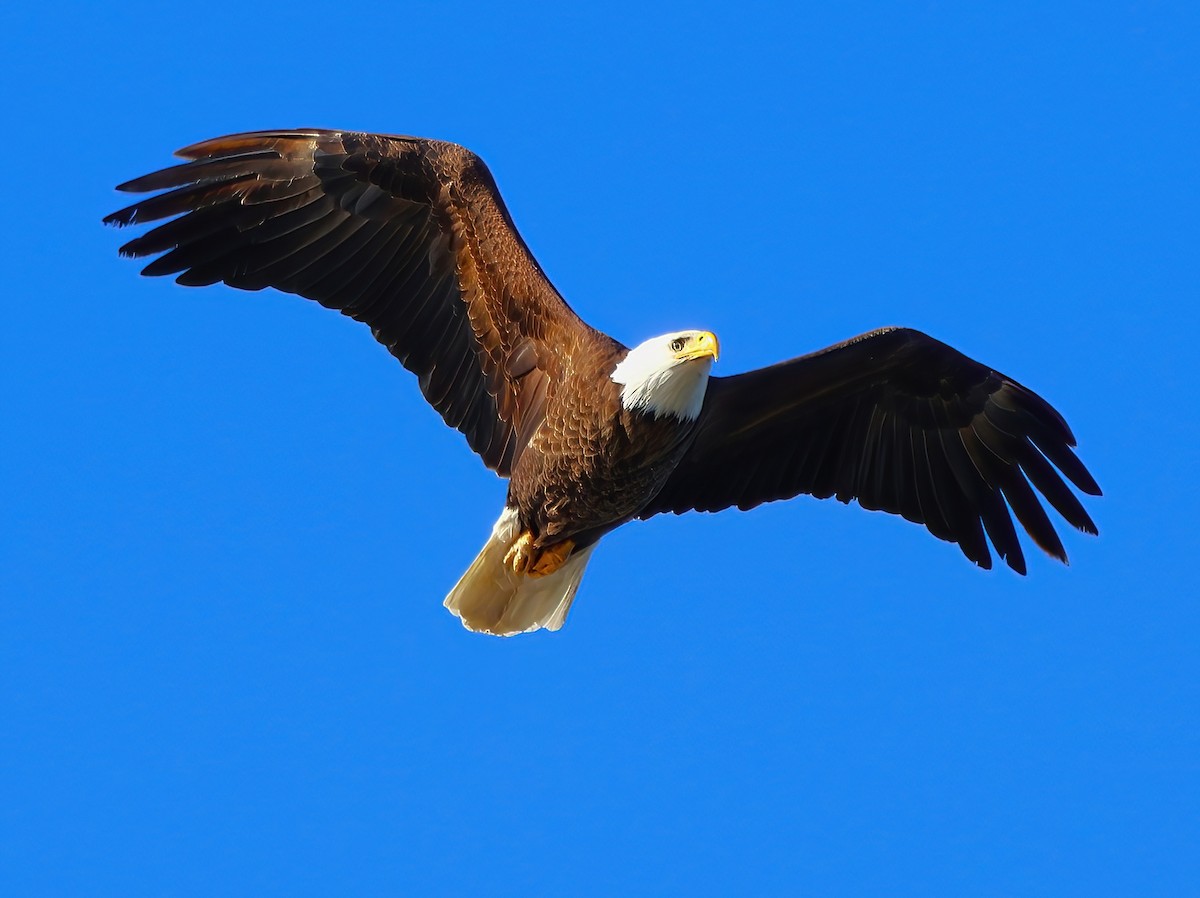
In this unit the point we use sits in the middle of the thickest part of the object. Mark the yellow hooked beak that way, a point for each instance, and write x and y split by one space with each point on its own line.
703 344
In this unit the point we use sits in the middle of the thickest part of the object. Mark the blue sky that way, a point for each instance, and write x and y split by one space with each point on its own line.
230 519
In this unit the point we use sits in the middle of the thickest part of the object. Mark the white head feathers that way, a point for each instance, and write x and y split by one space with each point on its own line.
667 375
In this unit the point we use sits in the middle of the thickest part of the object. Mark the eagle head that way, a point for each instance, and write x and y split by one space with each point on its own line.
667 375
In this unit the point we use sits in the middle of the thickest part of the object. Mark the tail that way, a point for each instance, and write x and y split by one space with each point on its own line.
490 598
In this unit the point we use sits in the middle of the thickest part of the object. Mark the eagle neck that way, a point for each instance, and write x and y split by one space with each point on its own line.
676 391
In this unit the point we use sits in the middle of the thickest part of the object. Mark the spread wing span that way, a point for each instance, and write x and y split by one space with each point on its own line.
900 422
409 236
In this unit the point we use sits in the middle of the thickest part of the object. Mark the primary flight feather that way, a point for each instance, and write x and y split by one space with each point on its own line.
411 237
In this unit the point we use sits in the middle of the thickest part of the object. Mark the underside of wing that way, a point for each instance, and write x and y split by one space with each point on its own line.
409 236
901 423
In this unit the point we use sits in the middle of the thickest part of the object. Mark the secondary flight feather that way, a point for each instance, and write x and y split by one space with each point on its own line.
410 237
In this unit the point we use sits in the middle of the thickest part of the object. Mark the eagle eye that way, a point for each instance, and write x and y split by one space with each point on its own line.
677 344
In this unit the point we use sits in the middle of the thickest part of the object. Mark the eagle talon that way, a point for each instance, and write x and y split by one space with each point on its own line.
551 558
521 555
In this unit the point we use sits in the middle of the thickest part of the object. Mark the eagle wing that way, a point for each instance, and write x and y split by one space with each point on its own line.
900 422
409 236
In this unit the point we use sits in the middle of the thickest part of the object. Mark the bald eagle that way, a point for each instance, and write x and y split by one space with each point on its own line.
411 237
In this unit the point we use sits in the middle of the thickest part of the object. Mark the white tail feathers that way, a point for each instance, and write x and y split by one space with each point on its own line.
490 598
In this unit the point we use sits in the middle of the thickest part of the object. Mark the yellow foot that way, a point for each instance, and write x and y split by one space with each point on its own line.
552 558
521 555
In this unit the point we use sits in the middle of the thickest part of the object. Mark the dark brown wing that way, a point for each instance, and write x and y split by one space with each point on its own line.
900 422
407 235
